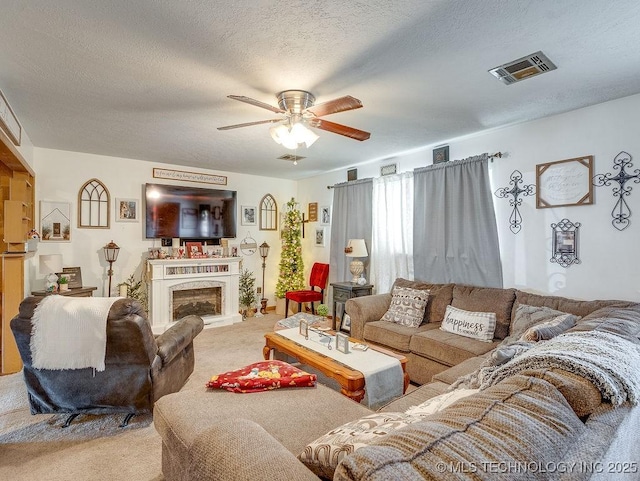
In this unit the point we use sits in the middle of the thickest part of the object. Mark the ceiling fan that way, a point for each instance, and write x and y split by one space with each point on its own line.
299 109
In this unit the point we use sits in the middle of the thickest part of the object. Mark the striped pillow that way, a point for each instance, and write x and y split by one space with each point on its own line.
476 325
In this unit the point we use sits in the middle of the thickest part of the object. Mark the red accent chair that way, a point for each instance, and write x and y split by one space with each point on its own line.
319 276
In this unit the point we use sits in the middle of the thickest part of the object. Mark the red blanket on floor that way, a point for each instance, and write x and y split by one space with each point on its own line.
262 376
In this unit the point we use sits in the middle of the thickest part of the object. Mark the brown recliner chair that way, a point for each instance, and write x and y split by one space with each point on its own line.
139 369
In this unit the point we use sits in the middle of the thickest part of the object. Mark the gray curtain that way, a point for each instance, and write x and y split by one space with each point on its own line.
351 219
455 236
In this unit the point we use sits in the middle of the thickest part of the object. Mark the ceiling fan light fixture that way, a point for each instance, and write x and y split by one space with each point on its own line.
279 133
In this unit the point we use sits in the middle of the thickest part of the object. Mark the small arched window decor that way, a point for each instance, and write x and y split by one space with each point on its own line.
94 205
268 213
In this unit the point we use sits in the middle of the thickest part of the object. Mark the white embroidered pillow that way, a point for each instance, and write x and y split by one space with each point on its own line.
407 306
476 325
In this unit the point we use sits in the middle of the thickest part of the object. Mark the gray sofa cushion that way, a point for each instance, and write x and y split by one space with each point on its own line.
487 299
393 335
475 429
448 348
564 304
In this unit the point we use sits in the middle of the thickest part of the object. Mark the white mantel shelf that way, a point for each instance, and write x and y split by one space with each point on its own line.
167 275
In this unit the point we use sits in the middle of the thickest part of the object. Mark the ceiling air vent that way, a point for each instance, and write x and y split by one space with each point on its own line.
291 158
523 68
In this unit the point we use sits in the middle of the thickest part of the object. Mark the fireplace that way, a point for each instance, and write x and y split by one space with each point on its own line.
205 287
196 298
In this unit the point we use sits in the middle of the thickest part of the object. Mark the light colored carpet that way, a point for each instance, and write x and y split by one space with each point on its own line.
94 447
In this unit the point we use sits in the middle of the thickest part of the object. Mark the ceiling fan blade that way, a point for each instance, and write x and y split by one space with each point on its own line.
257 103
334 106
339 129
248 124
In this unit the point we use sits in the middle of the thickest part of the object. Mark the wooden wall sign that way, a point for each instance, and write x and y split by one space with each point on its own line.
564 183
313 211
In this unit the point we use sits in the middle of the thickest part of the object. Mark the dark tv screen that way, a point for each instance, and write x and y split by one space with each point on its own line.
189 212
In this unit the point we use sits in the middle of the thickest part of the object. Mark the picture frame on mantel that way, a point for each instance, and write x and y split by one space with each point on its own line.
565 183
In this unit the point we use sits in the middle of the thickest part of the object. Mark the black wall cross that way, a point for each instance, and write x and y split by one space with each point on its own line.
515 219
621 211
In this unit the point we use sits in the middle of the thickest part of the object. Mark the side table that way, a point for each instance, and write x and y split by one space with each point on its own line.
342 292
76 292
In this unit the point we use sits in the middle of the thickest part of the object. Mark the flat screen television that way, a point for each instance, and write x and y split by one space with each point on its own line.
189 212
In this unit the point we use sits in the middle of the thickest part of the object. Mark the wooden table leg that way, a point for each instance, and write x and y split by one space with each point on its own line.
357 396
266 352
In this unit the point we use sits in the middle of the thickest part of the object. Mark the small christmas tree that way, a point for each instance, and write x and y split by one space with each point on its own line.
291 276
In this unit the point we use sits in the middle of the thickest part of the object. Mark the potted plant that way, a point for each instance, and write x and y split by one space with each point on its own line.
247 297
322 310
63 283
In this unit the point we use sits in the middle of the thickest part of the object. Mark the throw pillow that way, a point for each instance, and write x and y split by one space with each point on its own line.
528 316
550 329
407 306
323 455
476 325
262 376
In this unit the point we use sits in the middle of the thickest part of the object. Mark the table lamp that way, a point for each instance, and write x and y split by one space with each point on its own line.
51 263
356 248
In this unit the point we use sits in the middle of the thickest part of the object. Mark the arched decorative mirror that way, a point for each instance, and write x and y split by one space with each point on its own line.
268 213
94 204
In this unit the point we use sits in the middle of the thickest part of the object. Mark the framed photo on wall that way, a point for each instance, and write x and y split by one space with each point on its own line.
127 210
325 215
320 238
248 215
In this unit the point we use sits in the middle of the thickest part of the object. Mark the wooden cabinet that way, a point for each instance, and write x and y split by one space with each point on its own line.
16 220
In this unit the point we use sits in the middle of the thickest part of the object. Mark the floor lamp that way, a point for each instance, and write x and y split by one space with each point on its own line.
264 252
111 251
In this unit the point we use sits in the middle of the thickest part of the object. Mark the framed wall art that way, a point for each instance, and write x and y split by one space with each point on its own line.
441 154
55 221
564 183
320 238
127 210
248 215
564 243
325 215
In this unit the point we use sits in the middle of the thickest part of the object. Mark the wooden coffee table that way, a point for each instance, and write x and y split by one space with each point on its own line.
352 382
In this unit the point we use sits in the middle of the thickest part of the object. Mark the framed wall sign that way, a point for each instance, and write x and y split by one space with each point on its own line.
74 274
313 211
564 183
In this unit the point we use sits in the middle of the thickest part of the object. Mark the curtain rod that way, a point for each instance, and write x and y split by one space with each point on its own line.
498 155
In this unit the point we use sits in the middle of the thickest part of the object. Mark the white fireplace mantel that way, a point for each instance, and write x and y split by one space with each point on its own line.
168 275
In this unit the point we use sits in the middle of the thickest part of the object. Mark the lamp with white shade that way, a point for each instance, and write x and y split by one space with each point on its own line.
50 263
357 249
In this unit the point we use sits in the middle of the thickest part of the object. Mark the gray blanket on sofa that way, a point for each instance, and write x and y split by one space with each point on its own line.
608 361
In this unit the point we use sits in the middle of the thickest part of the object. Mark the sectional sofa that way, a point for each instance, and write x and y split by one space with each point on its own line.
540 422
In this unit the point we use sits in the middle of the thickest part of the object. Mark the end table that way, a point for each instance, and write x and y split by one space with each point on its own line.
342 292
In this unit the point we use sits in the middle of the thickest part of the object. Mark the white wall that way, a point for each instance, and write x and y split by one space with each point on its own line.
610 261
60 175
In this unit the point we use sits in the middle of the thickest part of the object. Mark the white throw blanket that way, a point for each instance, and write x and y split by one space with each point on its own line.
70 332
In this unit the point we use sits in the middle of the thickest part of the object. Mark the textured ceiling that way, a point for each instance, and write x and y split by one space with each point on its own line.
148 79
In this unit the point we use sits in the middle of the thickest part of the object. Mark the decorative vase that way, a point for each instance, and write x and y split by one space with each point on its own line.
64 287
